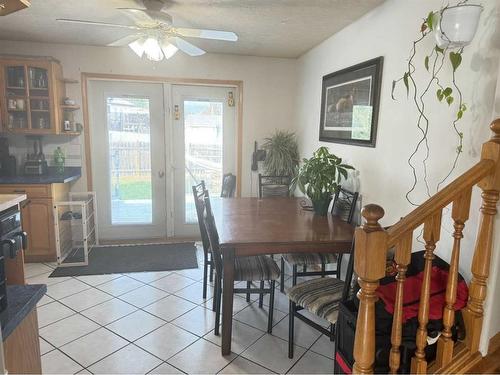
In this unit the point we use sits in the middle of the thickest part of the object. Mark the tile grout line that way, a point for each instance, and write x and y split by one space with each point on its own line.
202 304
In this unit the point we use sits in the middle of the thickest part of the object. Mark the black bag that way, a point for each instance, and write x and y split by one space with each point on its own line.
346 322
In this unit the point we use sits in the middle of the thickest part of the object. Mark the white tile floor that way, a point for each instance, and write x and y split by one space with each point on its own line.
157 322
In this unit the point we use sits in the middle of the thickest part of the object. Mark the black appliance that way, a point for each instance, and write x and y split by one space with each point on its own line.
12 240
36 163
8 165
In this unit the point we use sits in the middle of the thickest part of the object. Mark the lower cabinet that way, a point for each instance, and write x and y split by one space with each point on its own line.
38 222
38 218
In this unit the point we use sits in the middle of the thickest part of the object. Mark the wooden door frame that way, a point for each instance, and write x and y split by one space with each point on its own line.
85 77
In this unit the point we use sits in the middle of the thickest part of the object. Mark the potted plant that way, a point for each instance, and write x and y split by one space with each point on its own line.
282 154
319 178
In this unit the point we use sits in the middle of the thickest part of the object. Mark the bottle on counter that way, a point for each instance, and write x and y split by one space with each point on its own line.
59 160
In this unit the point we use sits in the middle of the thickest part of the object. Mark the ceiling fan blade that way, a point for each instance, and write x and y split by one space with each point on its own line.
147 18
125 40
207 34
139 16
186 47
83 22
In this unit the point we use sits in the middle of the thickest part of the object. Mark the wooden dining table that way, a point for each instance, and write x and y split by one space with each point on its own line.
253 226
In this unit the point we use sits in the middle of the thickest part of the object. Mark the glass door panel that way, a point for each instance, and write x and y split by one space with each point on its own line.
203 150
204 141
129 137
16 96
38 79
127 131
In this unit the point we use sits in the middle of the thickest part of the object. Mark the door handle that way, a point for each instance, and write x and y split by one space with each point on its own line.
24 239
161 174
12 247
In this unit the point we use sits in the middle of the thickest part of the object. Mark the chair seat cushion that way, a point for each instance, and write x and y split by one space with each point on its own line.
319 296
256 268
310 259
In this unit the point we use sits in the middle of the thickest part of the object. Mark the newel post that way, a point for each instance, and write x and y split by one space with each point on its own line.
369 264
490 185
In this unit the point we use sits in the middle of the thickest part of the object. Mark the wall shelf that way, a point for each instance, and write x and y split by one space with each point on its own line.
67 107
70 133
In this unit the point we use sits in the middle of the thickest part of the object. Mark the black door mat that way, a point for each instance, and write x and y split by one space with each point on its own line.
132 258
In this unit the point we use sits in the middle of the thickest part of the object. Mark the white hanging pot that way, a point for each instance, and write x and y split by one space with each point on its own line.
456 26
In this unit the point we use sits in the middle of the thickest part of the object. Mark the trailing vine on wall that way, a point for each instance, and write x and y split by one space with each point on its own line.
448 93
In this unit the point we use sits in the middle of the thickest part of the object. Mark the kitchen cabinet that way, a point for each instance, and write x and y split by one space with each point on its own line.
38 218
32 96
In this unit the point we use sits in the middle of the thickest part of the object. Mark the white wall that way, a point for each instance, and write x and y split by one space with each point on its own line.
268 83
384 175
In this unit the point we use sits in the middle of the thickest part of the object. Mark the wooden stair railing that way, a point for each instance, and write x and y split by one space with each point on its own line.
372 243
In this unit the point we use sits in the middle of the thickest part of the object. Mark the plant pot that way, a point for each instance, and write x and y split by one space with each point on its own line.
320 206
457 25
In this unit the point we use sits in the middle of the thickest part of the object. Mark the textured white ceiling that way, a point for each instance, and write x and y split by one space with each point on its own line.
277 28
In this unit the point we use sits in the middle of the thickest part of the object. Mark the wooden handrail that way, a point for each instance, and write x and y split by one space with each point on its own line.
443 198
373 242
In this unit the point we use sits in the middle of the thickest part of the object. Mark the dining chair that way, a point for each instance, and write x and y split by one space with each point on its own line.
199 193
321 297
253 268
344 206
274 186
228 186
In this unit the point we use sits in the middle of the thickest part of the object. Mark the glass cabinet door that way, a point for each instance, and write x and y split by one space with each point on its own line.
38 79
16 97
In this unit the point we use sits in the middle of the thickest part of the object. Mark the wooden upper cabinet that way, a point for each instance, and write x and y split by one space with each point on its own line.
31 94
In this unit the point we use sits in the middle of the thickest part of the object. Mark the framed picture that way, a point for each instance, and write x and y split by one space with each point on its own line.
349 104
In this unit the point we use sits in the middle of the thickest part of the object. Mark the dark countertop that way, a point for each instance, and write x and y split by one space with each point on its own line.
21 300
70 174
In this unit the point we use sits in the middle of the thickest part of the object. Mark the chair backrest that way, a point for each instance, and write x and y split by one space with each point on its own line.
199 194
344 204
213 236
350 278
228 186
274 186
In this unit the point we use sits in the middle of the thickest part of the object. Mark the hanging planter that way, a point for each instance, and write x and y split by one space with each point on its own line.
456 25
454 28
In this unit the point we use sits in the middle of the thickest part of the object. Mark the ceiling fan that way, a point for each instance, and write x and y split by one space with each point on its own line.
154 35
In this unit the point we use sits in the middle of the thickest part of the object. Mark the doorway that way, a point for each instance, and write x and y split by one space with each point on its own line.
150 143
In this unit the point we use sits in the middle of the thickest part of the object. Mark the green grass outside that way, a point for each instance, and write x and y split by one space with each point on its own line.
131 188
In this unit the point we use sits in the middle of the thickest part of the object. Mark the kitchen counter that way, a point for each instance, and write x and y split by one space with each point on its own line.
21 300
9 200
70 174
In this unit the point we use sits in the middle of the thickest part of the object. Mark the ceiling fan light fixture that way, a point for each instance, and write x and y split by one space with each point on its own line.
169 49
152 49
138 46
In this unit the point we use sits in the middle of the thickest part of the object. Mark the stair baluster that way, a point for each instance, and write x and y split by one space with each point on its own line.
432 229
459 214
402 259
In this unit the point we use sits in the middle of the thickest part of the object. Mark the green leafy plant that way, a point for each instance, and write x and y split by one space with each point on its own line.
448 93
319 178
282 154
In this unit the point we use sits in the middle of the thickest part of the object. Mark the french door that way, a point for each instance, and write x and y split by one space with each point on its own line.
127 127
145 159
204 147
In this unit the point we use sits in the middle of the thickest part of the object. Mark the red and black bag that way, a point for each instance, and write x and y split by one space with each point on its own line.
384 309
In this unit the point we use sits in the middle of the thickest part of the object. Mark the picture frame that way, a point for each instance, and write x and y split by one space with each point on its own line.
350 101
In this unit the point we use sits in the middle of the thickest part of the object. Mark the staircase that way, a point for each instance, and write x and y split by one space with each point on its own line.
372 243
